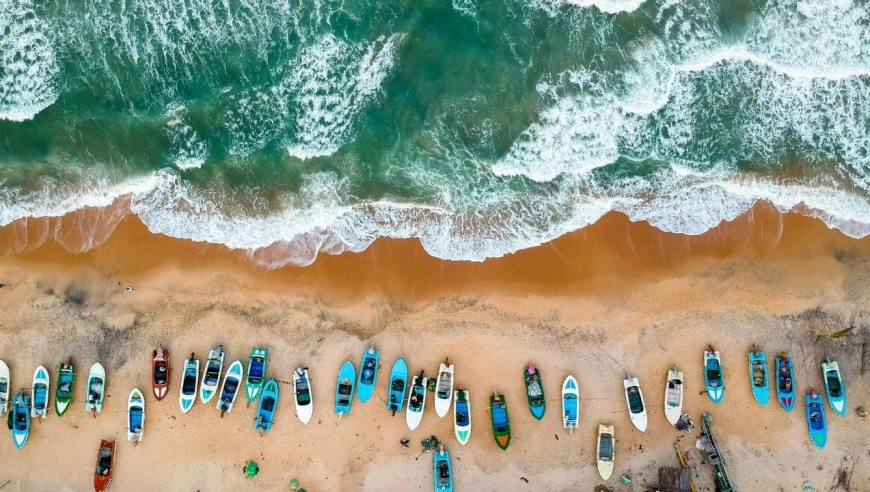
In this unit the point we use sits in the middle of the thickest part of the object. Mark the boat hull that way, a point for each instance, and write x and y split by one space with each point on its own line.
444 390
5 387
21 419
346 380
105 465
39 399
605 451
570 403
759 380
135 408
230 387
368 375
398 377
160 365
414 414
442 471
537 403
834 387
674 396
462 423
303 398
187 395
212 375
96 388
501 427
635 403
715 384
816 422
785 371
268 406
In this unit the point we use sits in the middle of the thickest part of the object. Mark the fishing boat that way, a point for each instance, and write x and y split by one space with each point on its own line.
66 383
758 378
605 451
20 419
230 387
444 389
160 372
368 375
398 383
785 384
5 384
105 465
570 404
344 388
212 376
268 406
674 395
461 415
442 471
189 379
834 386
416 401
256 373
816 422
501 424
713 378
40 393
96 389
535 391
304 402
634 400
135 416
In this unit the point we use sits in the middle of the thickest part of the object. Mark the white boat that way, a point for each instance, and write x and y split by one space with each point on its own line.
135 416
605 451
96 389
189 378
39 397
636 405
5 383
674 395
444 389
570 403
462 415
212 376
416 401
302 391
230 387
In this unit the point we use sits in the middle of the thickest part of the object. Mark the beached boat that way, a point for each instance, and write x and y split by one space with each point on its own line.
211 378
304 401
189 379
758 378
416 401
570 404
636 405
96 389
674 395
535 391
398 383
267 407
20 419
834 386
105 465
368 375
605 451
40 393
344 388
256 373
713 378
816 422
160 372
66 383
501 424
785 386
230 387
461 415
135 416
5 387
442 471
444 389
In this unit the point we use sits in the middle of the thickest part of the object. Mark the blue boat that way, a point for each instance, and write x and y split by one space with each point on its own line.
834 386
20 417
785 382
570 403
267 407
713 378
758 378
398 383
344 388
816 422
442 471
368 375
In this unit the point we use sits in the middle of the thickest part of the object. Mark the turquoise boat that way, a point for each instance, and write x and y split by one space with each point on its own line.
785 392
368 375
834 386
256 373
442 471
267 407
20 419
713 378
758 378
816 422
344 388
535 391
398 383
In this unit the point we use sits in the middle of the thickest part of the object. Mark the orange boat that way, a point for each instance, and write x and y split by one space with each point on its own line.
105 466
160 366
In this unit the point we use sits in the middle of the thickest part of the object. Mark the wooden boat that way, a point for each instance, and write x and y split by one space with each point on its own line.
713 378
66 383
256 373
344 386
416 401
105 465
605 451
160 372
135 416
230 387
304 401
96 389
368 375
442 471
758 378
189 379
674 395
816 422
461 415
535 391
20 419
268 406
398 383
636 405
570 404
211 378
501 424
40 393
444 389
5 386
785 384
834 386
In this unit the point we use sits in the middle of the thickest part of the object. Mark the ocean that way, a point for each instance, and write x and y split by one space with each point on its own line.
479 127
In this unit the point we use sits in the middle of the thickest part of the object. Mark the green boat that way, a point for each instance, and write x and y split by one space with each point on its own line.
535 391
256 373
66 383
501 425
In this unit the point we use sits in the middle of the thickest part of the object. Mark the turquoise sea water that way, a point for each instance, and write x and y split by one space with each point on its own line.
480 127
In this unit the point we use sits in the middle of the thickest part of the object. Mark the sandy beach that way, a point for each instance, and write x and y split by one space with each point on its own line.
613 298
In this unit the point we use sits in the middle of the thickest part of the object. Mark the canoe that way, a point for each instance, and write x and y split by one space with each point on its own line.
230 387
105 465
344 384
816 422
302 390
605 451
66 383
187 396
834 386
636 405
368 375
5 384
713 378
398 383
758 378
135 416
444 389
96 389
785 384
40 393
256 373
501 424
160 372
442 472
535 391
674 395
416 401
267 407
20 419
570 404
461 415
211 378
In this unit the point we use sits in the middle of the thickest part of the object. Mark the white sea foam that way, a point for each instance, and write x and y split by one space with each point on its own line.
189 150
609 6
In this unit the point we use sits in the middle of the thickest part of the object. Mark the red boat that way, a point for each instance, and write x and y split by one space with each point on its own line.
160 366
105 466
